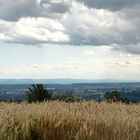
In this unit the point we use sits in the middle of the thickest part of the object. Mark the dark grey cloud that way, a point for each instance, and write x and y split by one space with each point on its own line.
13 10
131 48
82 22
110 4
103 27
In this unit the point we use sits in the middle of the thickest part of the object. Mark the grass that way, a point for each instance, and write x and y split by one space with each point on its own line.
69 121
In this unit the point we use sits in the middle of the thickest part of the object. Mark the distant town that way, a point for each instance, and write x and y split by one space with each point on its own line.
88 91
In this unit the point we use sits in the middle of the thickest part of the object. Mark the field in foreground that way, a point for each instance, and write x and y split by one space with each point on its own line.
69 121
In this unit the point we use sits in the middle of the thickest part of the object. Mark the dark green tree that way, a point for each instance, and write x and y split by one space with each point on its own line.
113 96
38 93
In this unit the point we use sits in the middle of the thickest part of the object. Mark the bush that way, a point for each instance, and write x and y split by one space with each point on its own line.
115 96
67 97
64 97
112 96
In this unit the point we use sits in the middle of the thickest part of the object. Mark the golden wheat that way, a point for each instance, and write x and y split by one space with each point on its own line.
69 121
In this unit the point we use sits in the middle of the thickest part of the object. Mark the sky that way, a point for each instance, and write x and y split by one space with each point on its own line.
78 39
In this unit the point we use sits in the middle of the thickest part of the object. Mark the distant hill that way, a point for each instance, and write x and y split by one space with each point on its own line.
58 81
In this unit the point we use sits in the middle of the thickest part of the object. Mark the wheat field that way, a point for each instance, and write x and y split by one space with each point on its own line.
69 121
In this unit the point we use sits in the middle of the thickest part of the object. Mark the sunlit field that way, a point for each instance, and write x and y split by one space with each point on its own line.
69 121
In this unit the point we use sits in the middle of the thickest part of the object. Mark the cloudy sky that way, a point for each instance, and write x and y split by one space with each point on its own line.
86 39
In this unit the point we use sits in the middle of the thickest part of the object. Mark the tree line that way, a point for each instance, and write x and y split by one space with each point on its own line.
39 93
